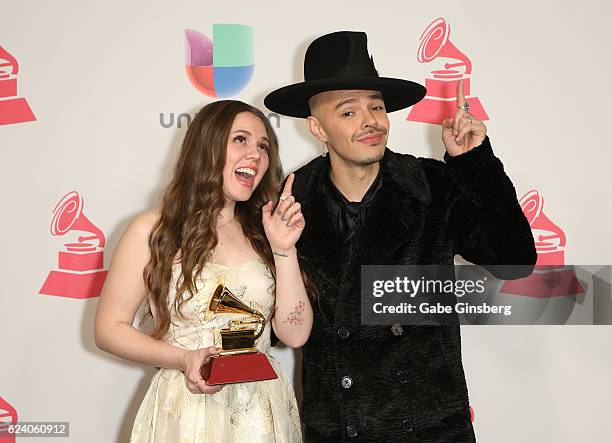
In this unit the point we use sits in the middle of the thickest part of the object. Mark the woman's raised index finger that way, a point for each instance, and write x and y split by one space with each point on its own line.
288 184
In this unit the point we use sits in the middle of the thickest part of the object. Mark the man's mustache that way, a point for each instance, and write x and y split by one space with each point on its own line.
378 130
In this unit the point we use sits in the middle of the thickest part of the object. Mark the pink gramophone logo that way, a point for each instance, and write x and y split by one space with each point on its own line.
80 273
13 109
550 278
8 416
441 99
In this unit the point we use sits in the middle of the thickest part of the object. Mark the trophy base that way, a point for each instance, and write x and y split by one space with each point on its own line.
237 368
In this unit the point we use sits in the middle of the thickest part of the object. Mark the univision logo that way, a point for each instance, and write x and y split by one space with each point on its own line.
224 68
217 70
181 119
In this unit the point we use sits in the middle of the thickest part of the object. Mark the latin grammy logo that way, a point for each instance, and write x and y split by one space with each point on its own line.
550 277
8 416
441 99
80 273
549 238
13 109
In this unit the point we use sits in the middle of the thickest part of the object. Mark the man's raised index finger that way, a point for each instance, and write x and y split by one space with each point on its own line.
460 95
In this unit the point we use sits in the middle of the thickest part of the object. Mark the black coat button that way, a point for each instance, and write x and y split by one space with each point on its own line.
346 382
343 333
408 425
351 431
397 330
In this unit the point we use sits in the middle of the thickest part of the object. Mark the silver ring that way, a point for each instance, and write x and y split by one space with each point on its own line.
283 197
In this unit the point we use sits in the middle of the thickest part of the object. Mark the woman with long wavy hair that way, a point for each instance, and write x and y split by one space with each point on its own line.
217 222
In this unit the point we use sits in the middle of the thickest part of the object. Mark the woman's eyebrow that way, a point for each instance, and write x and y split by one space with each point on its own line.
242 130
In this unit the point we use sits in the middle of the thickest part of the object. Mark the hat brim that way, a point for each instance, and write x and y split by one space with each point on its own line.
292 100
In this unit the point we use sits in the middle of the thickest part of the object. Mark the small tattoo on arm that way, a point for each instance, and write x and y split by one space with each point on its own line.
295 317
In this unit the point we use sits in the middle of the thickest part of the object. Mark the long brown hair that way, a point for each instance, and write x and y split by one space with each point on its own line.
192 203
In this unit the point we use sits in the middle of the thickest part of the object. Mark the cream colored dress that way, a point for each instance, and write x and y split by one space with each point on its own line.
264 411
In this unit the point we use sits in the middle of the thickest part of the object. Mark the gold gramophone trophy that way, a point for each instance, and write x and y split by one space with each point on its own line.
239 360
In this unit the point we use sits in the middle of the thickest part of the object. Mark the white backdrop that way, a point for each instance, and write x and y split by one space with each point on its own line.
97 76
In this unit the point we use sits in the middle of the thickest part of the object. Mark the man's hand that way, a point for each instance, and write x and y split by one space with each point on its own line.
463 132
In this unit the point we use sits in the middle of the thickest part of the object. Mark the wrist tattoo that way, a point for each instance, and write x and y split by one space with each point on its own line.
280 254
295 317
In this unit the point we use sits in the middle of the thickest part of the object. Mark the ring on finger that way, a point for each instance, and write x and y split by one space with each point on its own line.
465 107
290 198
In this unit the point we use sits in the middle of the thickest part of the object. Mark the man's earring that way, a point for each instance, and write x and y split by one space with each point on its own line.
324 150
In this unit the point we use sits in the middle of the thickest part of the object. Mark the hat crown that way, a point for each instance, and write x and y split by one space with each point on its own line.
342 54
340 61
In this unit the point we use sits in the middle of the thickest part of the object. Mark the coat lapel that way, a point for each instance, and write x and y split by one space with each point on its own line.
396 216
320 247
394 219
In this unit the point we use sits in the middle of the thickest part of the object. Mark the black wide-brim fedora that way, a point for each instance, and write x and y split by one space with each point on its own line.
338 61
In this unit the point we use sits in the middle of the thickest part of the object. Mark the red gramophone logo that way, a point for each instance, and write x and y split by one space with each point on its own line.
8 416
80 273
550 278
453 66
13 109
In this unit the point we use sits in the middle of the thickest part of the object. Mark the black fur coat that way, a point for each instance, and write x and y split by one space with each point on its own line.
405 383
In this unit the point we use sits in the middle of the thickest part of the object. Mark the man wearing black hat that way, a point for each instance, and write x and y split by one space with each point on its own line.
365 204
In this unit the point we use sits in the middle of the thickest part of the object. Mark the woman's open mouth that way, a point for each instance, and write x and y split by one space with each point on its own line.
245 176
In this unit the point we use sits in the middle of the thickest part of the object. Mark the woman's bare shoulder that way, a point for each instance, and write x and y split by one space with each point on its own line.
144 222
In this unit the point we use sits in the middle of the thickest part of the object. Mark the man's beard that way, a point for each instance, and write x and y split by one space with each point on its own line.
370 160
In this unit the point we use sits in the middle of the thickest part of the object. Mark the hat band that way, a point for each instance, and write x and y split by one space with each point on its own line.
348 71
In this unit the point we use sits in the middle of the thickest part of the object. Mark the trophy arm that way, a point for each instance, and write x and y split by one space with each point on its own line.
259 321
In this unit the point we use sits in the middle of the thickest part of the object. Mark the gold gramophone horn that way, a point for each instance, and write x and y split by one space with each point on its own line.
240 336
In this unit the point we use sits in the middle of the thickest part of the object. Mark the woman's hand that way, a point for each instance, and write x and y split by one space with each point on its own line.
191 365
283 225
